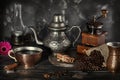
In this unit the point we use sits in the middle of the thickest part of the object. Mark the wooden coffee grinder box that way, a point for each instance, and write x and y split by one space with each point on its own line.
94 35
93 39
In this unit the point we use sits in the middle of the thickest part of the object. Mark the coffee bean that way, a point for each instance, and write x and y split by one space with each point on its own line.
93 62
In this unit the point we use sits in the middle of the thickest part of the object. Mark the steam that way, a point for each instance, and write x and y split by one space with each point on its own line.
63 4
105 6
77 1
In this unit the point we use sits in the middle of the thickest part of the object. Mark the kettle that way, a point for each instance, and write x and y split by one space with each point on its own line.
57 40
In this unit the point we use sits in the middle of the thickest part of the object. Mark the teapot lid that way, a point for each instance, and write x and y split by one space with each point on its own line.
58 22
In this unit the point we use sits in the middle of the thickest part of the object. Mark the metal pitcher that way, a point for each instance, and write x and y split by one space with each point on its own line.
113 61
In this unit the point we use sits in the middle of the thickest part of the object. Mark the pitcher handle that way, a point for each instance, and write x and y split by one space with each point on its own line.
9 54
78 34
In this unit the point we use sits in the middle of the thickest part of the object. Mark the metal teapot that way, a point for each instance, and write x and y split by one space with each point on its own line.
57 40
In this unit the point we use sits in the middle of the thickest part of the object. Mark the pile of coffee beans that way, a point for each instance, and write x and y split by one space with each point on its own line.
93 62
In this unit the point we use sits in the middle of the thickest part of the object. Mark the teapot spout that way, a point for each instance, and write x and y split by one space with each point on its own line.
36 39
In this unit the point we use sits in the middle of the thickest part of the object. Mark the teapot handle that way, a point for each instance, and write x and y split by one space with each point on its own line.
78 27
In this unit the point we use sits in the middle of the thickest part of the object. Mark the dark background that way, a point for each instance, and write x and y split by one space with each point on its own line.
39 13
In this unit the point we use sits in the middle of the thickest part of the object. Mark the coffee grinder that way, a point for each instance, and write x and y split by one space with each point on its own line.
94 35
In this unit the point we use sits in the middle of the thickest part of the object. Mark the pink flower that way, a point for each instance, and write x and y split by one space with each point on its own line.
5 46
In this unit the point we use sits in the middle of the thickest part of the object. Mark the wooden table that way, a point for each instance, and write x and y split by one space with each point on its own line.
45 68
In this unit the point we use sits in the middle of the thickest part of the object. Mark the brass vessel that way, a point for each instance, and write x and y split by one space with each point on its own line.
113 61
